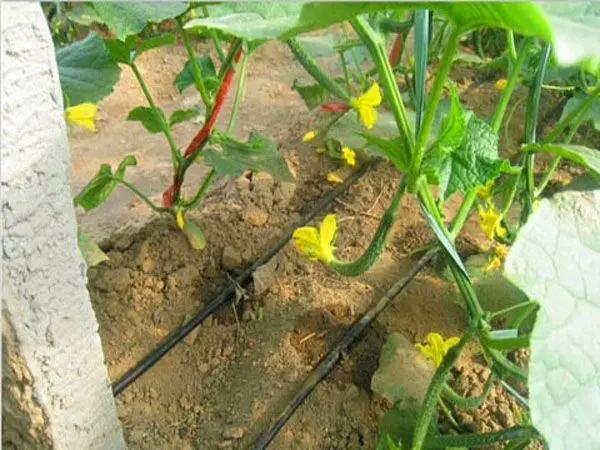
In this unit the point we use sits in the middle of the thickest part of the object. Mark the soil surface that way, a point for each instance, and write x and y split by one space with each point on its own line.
229 377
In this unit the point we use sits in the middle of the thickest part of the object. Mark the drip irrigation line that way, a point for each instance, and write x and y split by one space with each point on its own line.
352 335
178 335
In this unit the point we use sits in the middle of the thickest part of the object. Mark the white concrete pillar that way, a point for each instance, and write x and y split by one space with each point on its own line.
56 391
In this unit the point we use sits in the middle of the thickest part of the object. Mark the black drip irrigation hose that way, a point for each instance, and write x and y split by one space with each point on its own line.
178 335
352 335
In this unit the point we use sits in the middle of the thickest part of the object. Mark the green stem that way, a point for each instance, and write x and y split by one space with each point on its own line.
510 44
375 46
468 402
531 121
377 245
435 388
421 41
196 72
463 213
476 37
520 318
141 195
510 86
175 153
434 98
239 92
449 417
563 124
315 71
501 312
511 196
214 37
480 439
202 191
346 76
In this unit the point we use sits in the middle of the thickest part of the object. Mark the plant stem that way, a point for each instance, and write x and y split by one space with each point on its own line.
386 75
142 196
511 309
463 213
434 98
449 417
377 245
510 86
468 402
315 71
474 440
531 121
196 72
435 388
175 154
239 92
202 191
421 41
510 45
214 37
346 76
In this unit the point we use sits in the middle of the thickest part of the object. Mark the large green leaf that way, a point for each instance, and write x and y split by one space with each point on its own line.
185 78
127 18
86 70
593 115
151 118
587 157
83 14
126 51
555 260
392 149
576 31
284 20
259 154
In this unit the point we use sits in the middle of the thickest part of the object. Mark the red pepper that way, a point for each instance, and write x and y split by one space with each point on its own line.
334 106
169 195
395 53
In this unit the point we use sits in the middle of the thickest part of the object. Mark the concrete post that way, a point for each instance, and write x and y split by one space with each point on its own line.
56 392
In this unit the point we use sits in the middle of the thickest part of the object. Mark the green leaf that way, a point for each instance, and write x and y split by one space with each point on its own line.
97 190
86 70
194 235
83 14
470 164
151 118
128 18
258 154
129 160
576 31
90 251
312 94
181 115
121 51
185 78
392 149
155 42
592 115
555 260
585 156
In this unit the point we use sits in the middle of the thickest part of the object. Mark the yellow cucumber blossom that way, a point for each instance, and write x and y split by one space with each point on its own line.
501 84
309 136
334 178
366 103
83 114
500 253
484 191
317 244
436 347
489 222
349 156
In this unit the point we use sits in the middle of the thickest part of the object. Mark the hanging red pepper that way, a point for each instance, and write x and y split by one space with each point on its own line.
395 52
334 106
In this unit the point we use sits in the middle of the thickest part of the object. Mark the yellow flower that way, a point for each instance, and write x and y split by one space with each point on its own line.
484 190
501 84
494 264
83 114
535 205
489 221
309 136
317 244
501 251
436 347
366 103
334 178
349 156
180 219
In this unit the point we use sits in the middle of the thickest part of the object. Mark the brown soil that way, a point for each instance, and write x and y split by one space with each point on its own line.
228 378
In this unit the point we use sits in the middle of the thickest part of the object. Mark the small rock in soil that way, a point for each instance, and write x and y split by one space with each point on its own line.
234 433
265 277
283 194
191 338
255 216
232 258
